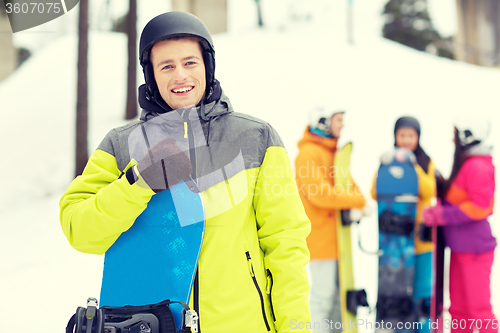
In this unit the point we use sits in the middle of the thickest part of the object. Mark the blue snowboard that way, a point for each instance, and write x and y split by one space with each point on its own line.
156 259
397 195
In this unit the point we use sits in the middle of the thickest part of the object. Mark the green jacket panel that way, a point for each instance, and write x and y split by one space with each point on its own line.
98 205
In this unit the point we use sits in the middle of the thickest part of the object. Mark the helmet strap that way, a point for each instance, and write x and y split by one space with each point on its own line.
149 77
209 61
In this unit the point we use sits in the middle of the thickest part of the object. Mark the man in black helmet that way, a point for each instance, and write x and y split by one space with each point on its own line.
251 271
179 71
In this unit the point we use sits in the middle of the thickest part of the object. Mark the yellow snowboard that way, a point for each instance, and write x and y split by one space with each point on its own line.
344 182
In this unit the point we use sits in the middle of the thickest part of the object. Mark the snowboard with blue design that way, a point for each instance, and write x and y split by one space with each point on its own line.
397 197
156 259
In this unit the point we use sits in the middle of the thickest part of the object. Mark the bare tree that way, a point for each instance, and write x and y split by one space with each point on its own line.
131 105
259 14
82 95
7 50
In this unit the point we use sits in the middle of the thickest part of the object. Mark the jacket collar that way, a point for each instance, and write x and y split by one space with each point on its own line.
328 143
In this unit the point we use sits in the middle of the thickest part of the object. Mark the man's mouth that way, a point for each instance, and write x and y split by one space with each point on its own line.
183 89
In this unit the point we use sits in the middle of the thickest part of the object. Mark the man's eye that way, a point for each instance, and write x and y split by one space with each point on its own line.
189 63
167 67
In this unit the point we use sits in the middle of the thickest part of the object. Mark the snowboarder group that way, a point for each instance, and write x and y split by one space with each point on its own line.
464 202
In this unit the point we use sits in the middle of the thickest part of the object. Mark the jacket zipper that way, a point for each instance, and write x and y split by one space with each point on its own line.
196 298
188 134
250 266
270 292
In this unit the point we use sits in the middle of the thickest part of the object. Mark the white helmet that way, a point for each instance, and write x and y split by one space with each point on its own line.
471 129
321 117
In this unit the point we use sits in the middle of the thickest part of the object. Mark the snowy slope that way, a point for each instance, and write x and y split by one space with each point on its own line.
278 74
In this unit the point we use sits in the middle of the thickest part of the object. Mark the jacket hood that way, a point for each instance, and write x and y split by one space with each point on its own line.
328 143
206 112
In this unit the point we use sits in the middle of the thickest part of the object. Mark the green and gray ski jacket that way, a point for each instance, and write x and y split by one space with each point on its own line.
251 275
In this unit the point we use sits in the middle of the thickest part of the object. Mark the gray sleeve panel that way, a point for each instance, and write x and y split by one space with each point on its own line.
254 137
274 139
107 143
116 144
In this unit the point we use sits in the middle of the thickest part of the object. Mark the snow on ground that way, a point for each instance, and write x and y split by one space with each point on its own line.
278 74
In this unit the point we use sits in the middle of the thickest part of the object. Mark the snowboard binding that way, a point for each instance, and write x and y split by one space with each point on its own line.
424 307
356 298
394 307
87 320
156 318
398 224
136 323
425 233
347 219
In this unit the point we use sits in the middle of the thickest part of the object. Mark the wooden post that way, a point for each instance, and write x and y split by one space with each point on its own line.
81 153
8 54
131 98
495 10
471 33
350 22
212 12
460 40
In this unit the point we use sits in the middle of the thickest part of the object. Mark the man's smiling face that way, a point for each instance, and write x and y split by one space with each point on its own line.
179 71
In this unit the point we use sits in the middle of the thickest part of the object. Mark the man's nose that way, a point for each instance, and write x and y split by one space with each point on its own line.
180 74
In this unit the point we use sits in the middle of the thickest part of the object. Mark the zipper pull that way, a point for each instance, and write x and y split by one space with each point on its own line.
250 266
185 130
269 282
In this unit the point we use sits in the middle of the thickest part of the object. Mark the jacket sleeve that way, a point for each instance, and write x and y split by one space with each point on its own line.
479 188
426 181
374 187
314 183
99 205
282 230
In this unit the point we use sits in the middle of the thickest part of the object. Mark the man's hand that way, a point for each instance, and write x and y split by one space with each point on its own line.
164 165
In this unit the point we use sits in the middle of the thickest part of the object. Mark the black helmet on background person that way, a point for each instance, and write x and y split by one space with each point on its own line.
407 122
173 24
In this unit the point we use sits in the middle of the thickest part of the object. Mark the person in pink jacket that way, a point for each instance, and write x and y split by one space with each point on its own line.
463 211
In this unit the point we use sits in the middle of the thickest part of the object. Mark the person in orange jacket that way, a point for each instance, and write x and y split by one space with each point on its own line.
407 135
316 181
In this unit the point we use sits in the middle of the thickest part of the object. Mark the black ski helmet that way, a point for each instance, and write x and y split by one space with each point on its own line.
407 122
172 24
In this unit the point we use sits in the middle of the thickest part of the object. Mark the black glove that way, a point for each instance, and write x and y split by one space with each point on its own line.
164 165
